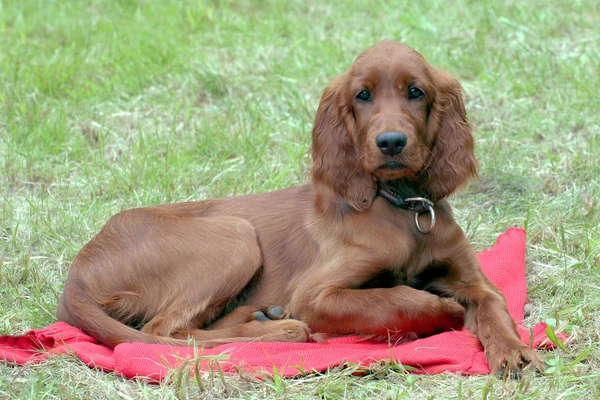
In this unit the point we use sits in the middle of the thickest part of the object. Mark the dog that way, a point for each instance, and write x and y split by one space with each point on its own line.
368 247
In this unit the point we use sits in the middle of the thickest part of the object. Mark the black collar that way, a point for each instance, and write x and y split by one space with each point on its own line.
408 196
404 195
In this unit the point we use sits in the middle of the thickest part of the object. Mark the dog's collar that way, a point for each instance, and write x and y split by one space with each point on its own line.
408 197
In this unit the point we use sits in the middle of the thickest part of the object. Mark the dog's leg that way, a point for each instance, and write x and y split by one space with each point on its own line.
217 261
286 330
172 272
329 302
163 269
487 316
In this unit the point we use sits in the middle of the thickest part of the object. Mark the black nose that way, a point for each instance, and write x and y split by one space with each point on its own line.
391 142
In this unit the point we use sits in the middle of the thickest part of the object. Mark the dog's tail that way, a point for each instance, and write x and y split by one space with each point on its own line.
77 308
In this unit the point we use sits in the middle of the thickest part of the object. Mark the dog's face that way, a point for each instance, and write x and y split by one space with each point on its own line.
389 91
392 116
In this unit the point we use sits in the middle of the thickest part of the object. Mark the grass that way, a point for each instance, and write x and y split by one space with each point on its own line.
107 105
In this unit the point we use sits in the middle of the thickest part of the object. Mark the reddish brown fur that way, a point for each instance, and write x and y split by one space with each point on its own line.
340 258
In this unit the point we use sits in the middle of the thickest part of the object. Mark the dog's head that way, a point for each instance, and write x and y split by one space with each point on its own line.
392 116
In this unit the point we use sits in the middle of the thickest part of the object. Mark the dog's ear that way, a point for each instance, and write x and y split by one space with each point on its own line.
452 161
335 152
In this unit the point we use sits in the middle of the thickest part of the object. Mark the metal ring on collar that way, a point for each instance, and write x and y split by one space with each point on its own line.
426 202
431 225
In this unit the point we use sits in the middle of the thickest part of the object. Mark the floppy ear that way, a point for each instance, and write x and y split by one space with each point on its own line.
452 162
335 151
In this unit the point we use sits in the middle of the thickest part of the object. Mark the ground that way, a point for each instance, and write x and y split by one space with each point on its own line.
107 105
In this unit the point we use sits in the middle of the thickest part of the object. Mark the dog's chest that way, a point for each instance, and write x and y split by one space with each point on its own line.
391 239
389 236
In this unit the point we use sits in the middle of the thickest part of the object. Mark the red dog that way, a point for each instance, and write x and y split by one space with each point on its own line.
353 252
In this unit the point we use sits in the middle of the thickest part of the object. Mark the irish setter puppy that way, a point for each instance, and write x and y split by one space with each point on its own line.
368 247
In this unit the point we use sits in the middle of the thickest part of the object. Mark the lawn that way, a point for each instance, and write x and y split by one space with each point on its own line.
107 105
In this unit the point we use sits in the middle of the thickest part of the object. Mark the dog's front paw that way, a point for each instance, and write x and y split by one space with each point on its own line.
509 358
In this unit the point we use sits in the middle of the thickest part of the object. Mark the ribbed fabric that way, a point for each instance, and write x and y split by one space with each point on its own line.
456 351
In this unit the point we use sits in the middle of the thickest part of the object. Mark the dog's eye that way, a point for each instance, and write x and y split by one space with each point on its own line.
364 96
414 93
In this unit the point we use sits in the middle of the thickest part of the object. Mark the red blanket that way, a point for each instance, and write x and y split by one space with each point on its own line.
457 351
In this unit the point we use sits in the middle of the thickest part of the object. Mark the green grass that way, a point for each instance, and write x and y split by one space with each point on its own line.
106 105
